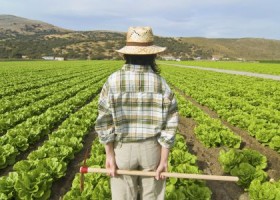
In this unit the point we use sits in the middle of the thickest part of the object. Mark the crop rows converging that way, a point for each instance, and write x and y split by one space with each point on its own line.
255 67
65 116
245 102
97 186
247 164
55 95
249 103
48 108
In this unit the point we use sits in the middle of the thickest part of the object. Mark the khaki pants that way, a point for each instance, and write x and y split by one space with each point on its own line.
144 155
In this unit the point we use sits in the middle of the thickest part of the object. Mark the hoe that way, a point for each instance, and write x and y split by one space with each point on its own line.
85 169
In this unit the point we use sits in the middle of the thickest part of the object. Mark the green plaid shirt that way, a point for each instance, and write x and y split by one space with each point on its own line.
136 104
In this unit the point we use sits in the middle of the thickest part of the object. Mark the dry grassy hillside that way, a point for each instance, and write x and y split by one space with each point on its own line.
247 48
34 39
19 25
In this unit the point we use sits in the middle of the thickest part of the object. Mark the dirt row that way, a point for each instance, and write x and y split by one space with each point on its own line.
208 163
23 156
63 185
208 157
227 71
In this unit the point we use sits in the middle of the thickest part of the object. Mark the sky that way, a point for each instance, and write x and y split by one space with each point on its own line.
168 18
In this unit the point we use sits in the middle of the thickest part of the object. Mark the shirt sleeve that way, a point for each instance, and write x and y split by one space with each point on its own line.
167 136
104 125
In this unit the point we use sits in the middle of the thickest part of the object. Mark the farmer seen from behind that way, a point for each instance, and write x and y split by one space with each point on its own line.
137 119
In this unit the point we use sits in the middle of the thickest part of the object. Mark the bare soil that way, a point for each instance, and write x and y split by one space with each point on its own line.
250 142
63 185
207 160
23 156
208 157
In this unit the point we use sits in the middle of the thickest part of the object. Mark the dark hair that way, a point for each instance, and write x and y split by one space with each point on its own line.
142 60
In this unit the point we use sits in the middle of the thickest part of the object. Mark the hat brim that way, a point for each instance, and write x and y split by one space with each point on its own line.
138 50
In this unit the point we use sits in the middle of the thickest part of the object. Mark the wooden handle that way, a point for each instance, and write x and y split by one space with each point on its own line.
166 174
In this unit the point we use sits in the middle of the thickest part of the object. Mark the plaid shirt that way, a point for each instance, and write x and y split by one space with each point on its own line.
136 104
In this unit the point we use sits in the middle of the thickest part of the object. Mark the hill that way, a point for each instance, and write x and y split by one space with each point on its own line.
13 25
34 39
246 48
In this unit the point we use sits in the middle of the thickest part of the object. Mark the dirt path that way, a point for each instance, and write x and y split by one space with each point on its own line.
266 76
63 185
208 163
23 156
248 142
208 157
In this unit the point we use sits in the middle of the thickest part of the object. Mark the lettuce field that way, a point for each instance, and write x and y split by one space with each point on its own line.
229 125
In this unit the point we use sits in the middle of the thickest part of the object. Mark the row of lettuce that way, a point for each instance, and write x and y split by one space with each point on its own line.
32 178
249 103
19 138
97 186
22 79
20 109
56 84
18 77
255 67
249 165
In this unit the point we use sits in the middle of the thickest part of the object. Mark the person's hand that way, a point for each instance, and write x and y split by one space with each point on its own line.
161 168
111 165
163 164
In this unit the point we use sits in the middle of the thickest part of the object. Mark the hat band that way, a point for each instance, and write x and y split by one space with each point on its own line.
140 44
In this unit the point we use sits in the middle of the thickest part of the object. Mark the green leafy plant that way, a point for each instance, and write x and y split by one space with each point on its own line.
7 155
7 186
33 185
247 173
266 190
247 164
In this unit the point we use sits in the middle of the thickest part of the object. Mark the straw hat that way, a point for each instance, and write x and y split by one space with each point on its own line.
140 41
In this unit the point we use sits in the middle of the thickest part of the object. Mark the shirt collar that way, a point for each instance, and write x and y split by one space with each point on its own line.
137 68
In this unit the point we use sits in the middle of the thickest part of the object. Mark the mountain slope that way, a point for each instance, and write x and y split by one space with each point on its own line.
34 39
19 25
247 48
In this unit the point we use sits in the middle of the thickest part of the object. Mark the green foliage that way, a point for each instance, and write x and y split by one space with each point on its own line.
7 155
33 185
275 143
52 166
233 157
7 190
266 190
258 114
247 164
33 178
97 185
246 102
181 161
247 173
209 131
270 61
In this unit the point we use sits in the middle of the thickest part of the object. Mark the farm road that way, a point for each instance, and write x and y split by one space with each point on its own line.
266 76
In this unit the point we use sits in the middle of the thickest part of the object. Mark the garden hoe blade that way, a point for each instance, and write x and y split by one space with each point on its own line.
83 170
82 180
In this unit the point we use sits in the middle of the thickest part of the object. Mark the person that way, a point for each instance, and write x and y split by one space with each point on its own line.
137 119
